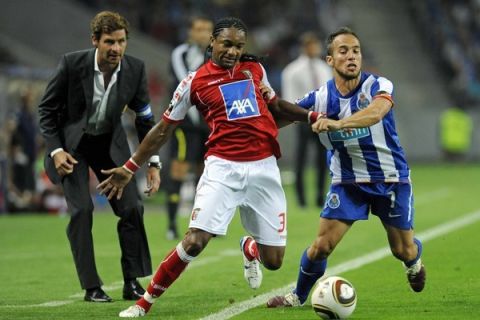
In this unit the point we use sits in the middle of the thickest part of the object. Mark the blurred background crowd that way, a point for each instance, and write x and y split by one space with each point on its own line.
427 44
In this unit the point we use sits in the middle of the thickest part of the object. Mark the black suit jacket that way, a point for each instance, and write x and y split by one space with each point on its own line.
67 102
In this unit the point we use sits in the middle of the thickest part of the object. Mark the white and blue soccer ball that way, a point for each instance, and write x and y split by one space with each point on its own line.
334 298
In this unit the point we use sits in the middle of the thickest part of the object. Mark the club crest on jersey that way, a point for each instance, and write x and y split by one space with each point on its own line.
362 101
240 100
247 74
333 200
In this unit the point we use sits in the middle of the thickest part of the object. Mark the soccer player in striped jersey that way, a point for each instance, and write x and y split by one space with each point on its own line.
367 164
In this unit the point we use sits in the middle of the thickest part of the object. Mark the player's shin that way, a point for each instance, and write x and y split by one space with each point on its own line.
410 263
168 271
310 272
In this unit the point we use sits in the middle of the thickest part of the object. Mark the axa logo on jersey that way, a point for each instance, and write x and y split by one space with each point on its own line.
239 98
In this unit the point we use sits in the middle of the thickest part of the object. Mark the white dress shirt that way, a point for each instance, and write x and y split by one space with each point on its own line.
303 75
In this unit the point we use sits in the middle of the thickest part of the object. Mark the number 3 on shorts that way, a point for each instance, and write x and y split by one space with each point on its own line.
282 222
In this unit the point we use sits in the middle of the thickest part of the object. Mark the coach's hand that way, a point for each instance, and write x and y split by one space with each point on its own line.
153 180
114 184
64 163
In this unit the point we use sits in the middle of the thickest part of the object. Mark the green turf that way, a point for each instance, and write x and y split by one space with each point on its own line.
36 265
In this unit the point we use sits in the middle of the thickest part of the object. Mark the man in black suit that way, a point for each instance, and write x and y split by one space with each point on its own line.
80 119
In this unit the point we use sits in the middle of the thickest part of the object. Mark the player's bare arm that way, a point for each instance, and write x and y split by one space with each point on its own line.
285 112
120 176
367 117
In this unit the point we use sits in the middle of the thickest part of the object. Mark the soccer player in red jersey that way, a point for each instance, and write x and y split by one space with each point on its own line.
232 93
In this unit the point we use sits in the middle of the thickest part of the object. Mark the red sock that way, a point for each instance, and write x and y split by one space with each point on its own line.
168 271
251 250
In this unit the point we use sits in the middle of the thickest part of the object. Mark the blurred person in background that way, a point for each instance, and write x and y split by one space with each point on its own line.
456 128
307 72
23 150
187 146
80 119
367 163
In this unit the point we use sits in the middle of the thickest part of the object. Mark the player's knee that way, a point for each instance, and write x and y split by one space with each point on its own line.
321 249
195 241
272 258
273 263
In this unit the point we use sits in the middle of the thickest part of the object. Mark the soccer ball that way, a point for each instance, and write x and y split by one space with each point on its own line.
334 298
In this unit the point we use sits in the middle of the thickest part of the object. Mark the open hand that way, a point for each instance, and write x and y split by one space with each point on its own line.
114 184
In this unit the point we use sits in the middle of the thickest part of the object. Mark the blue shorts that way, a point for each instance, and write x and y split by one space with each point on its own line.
391 202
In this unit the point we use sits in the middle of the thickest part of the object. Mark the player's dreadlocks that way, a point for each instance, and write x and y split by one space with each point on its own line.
236 23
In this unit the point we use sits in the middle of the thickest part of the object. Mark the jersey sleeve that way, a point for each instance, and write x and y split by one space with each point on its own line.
181 102
308 100
382 85
315 100
383 88
265 82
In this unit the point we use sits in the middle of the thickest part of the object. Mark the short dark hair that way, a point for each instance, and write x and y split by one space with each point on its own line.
107 22
332 36
229 22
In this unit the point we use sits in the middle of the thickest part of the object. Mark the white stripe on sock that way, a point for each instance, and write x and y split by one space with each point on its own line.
183 254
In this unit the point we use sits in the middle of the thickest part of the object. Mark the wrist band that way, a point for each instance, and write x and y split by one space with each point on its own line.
154 162
312 116
131 166
157 165
154 159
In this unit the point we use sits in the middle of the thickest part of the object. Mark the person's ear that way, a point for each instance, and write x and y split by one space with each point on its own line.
329 60
94 41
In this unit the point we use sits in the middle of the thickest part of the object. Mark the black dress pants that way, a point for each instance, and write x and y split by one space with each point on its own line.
93 152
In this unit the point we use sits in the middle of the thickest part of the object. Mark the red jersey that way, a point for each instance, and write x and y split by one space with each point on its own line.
241 126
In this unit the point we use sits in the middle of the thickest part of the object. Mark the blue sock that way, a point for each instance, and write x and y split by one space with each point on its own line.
419 246
310 272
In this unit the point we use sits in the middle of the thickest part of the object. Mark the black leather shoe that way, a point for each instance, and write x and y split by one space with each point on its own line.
132 290
97 295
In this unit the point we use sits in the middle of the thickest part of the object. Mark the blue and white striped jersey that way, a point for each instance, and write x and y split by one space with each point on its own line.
371 154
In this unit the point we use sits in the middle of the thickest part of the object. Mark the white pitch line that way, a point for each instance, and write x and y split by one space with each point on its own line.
431 195
119 284
353 264
429 234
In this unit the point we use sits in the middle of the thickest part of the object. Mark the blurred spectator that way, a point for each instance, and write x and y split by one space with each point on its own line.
187 145
274 25
451 30
307 73
22 155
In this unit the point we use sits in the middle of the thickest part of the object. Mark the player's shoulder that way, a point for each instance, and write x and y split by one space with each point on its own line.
374 77
254 67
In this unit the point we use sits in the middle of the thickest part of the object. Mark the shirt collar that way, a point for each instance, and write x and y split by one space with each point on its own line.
97 69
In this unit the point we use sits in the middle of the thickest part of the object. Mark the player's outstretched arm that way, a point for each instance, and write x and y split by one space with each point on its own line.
367 117
119 177
285 112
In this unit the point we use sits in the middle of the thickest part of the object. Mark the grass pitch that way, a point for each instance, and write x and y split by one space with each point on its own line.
38 279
